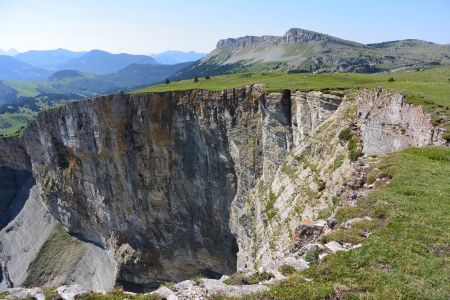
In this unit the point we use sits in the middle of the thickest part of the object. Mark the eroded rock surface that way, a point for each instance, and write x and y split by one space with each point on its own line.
389 124
165 186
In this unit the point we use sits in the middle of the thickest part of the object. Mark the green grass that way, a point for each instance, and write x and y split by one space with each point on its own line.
13 124
432 84
57 256
3 294
24 88
270 209
407 256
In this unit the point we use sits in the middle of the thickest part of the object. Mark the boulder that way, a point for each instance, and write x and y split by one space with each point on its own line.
311 247
299 264
165 293
334 247
69 292
306 233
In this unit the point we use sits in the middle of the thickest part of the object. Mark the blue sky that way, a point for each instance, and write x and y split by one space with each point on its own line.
138 26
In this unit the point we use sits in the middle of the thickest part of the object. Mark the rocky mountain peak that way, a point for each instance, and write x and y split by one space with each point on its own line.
296 35
248 41
293 35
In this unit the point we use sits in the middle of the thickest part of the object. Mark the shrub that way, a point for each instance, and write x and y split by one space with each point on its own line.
270 209
353 150
338 161
391 79
207 77
241 278
336 199
238 278
345 134
321 185
311 256
446 136
167 81
286 270
325 213
196 79
258 277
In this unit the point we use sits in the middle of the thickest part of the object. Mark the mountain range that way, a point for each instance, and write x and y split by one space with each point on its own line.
14 69
49 59
102 62
300 50
39 64
175 57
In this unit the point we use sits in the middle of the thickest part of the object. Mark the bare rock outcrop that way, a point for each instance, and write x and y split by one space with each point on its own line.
389 124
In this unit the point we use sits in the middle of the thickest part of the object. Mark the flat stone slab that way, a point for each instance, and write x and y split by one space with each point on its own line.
334 247
166 293
69 292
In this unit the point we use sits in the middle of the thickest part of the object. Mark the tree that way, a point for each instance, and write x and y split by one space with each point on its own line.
207 77
167 81
196 79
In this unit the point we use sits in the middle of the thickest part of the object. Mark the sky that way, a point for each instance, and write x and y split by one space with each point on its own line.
144 27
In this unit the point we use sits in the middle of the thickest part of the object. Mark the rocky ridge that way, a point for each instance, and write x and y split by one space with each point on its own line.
300 50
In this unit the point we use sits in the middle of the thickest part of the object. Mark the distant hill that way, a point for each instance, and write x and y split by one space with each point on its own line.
300 50
14 69
101 62
8 95
144 74
64 74
174 57
49 59
88 84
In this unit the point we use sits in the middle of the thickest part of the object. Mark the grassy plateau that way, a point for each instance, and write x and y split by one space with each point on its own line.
429 88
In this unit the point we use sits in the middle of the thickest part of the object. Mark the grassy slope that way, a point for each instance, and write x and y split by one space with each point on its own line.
57 256
408 256
24 88
17 122
430 88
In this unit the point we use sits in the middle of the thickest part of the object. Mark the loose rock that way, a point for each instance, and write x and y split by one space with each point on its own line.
69 292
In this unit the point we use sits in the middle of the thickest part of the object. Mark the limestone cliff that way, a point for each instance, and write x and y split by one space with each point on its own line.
165 186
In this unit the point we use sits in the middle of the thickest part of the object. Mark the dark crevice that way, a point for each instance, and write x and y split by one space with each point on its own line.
15 188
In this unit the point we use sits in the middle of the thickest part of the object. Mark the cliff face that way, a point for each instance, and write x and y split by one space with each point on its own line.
148 177
153 178
163 187
389 124
293 35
